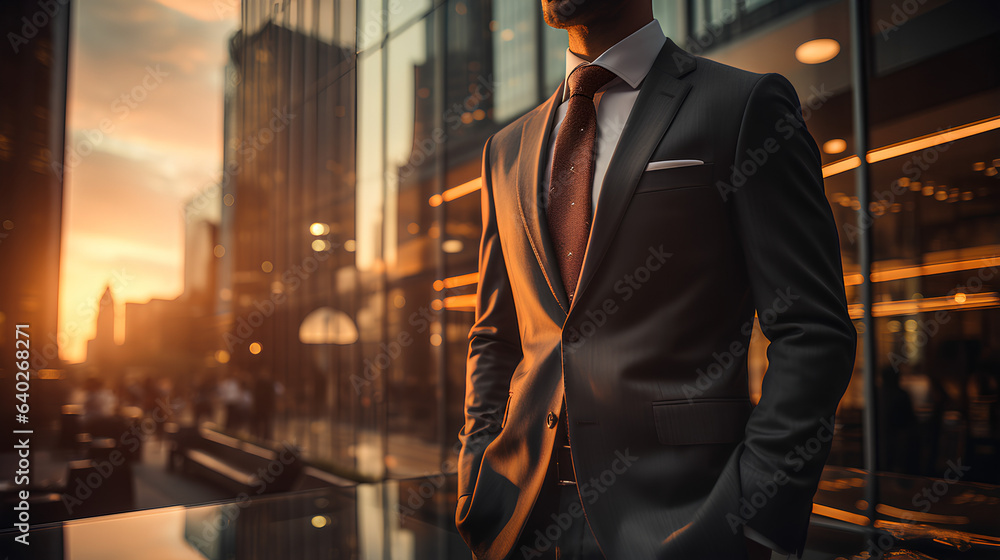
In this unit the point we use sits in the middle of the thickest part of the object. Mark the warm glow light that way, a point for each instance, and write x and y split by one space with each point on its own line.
326 325
903 272
452 246
830 169
835 146
463 280
255 348
465 188
840 514
320 245
931 140
464 302
853 279
841 166
350 245
50 374
914 306
266 266
222 356
220 251
817 51
320 521
921 517
319 228
914 145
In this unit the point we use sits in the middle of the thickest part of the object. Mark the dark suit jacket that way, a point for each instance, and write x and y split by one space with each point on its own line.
651 356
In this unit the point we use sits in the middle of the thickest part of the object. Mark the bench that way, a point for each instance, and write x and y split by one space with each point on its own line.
233 464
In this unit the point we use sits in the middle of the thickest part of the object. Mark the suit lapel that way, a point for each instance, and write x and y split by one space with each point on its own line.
660 96
530 171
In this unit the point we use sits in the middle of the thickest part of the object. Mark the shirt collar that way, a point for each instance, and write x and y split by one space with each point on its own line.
630 59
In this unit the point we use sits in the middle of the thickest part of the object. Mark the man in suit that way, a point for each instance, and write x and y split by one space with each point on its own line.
632 226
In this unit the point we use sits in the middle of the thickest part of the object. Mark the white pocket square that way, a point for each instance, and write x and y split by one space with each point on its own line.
670 163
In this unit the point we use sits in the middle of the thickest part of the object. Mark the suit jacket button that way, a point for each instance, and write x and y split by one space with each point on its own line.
551 420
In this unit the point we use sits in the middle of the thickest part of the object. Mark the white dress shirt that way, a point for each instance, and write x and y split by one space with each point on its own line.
630 59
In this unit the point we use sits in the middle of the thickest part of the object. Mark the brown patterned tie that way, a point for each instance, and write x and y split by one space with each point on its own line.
569 207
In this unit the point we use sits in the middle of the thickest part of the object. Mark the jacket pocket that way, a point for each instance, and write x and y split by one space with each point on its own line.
675 178
709 421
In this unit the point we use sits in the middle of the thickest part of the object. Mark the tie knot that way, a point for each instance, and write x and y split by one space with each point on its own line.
586 80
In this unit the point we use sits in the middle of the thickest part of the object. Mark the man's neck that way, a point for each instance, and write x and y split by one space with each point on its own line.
590 41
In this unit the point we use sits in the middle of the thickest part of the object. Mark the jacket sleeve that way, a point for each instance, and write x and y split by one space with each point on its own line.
792 253
494 346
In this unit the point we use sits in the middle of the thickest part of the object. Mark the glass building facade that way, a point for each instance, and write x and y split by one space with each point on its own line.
351 215
32 167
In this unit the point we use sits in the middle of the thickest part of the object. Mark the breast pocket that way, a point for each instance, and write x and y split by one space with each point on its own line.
675 178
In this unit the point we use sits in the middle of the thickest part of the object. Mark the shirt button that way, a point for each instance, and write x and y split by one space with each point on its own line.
551 420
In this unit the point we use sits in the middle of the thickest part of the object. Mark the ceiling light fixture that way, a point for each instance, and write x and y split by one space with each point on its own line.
817 51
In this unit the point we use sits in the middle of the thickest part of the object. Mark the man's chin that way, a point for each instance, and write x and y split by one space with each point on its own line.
563 13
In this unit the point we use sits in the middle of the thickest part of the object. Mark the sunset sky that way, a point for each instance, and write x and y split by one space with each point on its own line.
144 135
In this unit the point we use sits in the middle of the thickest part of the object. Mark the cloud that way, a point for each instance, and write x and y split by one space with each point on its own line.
205 10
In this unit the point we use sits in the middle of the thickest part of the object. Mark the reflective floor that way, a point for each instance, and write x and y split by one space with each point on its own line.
412 519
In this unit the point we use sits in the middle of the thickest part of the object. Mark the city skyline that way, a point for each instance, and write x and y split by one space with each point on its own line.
144 136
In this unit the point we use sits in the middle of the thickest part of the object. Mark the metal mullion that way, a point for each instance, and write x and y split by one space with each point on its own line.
859 74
